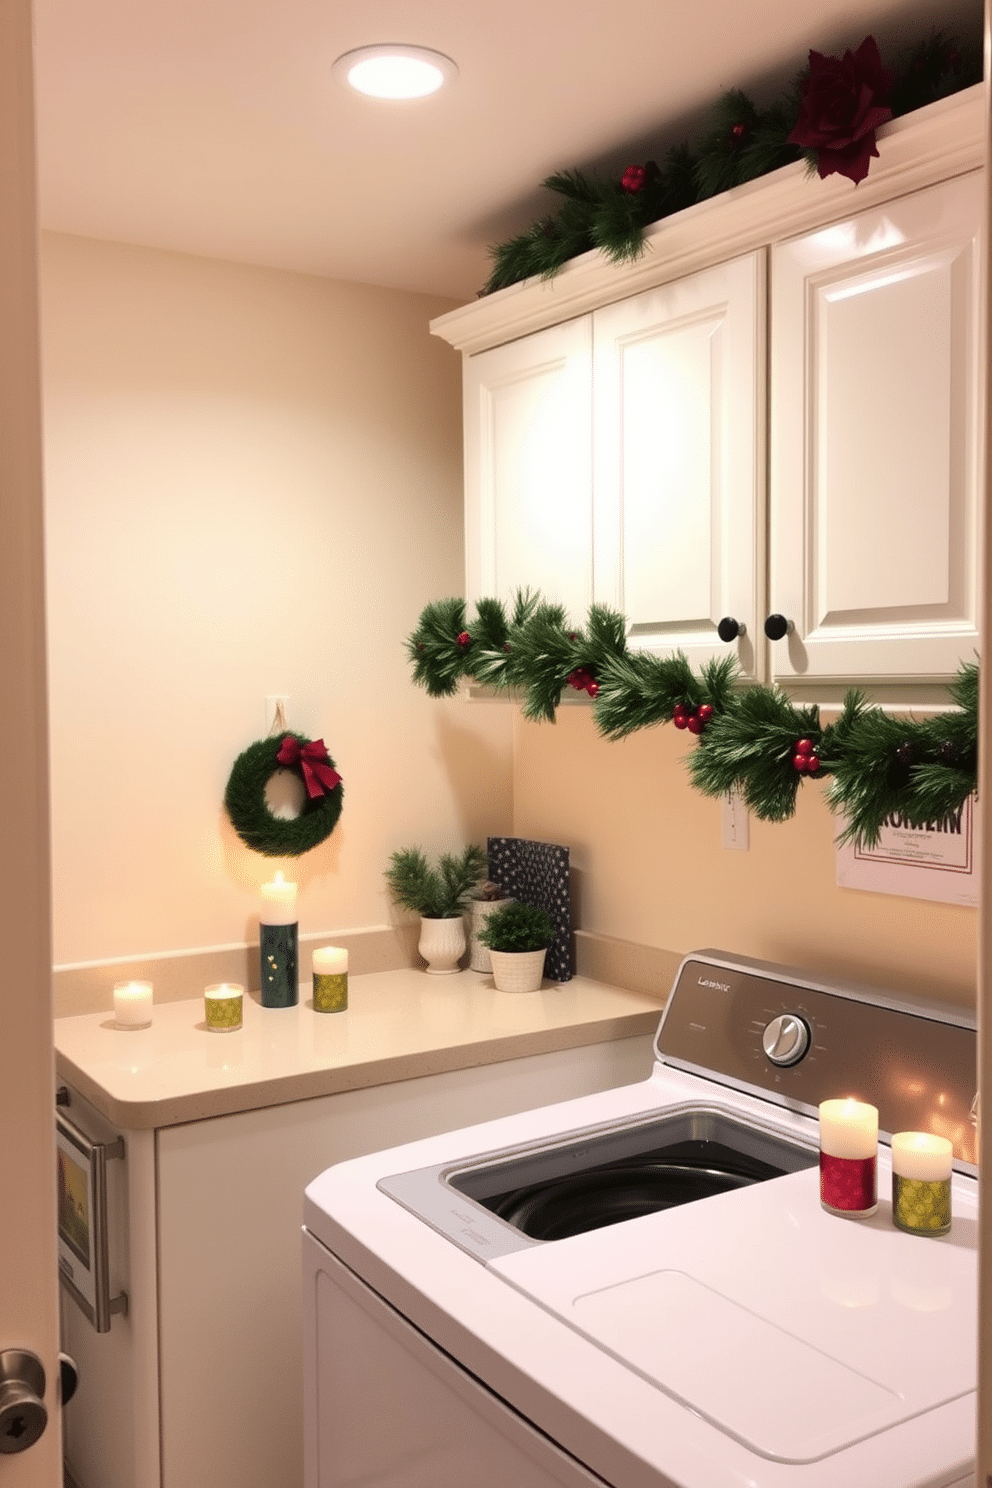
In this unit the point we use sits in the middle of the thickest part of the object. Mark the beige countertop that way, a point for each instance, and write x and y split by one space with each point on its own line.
399 1025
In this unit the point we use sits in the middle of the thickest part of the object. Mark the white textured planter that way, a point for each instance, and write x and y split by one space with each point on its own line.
442 944
480 910
518 971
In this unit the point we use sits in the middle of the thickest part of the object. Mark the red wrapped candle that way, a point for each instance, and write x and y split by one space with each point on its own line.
849 1158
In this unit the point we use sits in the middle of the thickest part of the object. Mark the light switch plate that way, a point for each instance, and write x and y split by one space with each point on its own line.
735 819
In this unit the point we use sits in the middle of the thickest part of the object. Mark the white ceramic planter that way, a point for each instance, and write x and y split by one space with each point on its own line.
442 944
518 971
480 910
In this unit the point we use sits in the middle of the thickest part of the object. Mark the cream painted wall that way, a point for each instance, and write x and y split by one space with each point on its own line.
650 867
253 487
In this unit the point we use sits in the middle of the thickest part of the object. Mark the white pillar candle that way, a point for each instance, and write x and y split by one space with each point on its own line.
922 1156
330 961
848 1128
278 902
132 1004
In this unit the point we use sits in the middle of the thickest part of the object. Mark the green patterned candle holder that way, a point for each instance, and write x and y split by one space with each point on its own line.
222 1005
921 1183
330 992
921 1207
330 979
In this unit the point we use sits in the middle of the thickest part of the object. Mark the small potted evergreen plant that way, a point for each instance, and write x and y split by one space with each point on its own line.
439 894
485 899
518 936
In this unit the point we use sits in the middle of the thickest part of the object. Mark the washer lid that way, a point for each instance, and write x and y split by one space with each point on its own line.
793 1332
778 1395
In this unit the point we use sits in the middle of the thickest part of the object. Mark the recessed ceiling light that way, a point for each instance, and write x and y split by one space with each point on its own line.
389 71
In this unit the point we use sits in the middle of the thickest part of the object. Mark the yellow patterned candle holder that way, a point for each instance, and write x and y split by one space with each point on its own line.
223 1004
921 1207
330 991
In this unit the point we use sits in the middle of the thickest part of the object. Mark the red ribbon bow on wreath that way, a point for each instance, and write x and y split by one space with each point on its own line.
311 759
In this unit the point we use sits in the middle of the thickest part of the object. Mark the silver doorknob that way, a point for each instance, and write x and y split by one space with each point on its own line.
23 1416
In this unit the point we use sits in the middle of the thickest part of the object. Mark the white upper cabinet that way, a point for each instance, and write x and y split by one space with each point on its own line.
528 468
874 379
619 458
616 418
678 462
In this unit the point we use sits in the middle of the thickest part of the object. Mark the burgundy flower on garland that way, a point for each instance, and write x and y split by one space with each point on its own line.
841 104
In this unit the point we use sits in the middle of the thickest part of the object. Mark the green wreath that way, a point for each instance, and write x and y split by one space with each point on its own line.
244 798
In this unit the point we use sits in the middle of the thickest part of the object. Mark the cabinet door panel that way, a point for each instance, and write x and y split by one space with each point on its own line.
670 383
528 476
874 467
677 394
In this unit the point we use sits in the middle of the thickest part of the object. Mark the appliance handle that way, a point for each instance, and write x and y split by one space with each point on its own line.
98 1154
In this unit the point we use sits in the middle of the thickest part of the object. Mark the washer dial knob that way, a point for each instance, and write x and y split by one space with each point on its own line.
785 1039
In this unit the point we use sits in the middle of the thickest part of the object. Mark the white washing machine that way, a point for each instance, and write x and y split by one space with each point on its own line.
640 1288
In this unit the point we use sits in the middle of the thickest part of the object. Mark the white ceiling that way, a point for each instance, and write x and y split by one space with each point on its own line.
215 126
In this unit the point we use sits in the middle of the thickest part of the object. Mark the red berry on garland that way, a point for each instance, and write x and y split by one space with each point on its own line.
805 758
695 724
464 639
704 712
507 647
948 752
680 718
583 680
905 753
636 177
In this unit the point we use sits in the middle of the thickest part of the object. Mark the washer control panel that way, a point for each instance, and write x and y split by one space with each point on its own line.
785 1039
775 1032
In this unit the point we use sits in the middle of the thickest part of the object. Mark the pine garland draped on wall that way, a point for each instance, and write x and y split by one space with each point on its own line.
752 739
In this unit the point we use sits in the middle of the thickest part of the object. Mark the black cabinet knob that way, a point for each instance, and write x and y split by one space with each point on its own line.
729 629
776 626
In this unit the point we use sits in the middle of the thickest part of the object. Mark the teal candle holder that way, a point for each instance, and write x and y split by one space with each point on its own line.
330 991
279 968
921 1206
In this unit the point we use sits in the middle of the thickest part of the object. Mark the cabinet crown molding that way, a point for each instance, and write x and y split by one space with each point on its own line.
932 144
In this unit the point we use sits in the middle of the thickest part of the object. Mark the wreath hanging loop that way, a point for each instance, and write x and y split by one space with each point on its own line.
244 797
